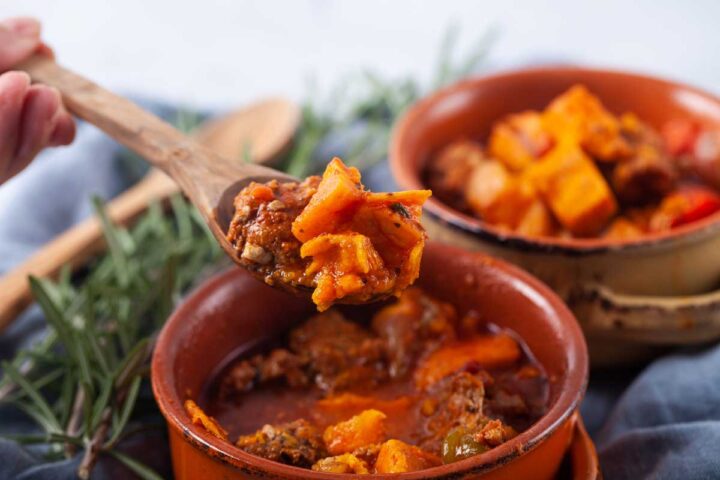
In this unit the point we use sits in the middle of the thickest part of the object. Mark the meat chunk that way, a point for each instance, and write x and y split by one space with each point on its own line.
263 235
519 139
405 337
575 190
339 353
279 363
449 172
485 351
398 457
199 417
345 463
364 429
645 177
296 443
454 401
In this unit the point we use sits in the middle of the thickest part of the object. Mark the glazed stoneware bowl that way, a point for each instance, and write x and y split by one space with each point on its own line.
630 297
233 311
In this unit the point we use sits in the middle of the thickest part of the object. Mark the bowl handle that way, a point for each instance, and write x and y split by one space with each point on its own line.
668 320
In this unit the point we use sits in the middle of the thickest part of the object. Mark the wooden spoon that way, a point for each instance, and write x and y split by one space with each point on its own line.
210 181
265 127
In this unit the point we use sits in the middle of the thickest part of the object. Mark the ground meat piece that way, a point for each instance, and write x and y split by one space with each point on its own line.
645 177
500 401
368 453
405 337
279 363
296 443
456 401
648 172
261 229
339 353
449 172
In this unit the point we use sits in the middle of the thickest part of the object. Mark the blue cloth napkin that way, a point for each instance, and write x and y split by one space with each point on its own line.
660 422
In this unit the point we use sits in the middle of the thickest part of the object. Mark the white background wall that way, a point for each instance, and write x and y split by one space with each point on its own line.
223 52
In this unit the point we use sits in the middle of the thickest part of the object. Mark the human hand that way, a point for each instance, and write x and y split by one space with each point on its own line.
32 117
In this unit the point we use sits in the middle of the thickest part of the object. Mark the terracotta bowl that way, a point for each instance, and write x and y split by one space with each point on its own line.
660 289
234 311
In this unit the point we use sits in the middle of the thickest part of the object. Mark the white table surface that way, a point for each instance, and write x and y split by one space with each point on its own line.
221 53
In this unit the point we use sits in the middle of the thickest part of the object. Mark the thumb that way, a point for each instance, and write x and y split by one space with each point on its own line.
19 38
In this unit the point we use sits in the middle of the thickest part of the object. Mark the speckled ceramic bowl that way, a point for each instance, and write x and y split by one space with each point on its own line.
234 310
657 290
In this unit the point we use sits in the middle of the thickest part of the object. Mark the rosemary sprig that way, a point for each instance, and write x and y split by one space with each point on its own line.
102 334
85 383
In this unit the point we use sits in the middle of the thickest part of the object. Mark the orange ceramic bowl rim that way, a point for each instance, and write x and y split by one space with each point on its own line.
409 177
572 387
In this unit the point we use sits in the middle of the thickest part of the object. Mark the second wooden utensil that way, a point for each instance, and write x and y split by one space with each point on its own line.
264 129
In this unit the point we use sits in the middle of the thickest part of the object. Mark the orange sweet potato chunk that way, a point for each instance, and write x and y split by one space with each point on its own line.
398 457
363 429
574 189
333 203
198 417
363 245
579 116
498 196
518 140
345 463
488 351
344 264
537 221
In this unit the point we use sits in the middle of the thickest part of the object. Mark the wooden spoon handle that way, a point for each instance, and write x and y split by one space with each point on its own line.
152 138
78 244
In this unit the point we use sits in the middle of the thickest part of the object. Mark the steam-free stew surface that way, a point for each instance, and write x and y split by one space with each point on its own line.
415 381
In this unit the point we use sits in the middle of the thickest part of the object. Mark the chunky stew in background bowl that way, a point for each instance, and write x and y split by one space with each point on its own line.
410 387
574 169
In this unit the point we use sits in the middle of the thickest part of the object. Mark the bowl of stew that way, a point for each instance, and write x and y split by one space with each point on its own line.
476 371
602 183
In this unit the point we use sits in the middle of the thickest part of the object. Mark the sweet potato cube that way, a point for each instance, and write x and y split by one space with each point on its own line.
345 463
537 221
487 351
363 429
344 264
579 116
498 196
574 189
199 417
332 204
518 140
398 457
